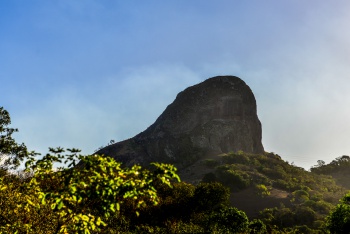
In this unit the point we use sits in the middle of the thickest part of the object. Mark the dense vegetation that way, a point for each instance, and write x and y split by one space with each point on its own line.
99 195
308 200
339 169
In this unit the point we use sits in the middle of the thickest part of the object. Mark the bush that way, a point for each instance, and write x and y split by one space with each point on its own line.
262 190
304 229
211 196
236 158
257 227
234 179
281 184
273 173
305 216
300 196
230 220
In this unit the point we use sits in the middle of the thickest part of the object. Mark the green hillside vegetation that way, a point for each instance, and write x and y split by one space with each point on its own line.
275 191
339 169
240 193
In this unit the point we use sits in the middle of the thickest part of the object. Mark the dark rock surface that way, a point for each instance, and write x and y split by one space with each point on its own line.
216 116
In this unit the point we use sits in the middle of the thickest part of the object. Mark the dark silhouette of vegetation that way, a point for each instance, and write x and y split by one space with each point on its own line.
339 164
11 153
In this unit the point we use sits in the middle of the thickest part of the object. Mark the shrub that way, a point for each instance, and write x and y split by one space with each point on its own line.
236 158
230 220
234 179
300 196
273 173
257 227
211 196
281 184
262 190
305 216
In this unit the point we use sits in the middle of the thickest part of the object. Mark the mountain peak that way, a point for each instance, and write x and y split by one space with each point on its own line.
218 115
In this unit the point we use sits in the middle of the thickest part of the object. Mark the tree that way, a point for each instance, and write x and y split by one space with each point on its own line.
339 219
230 220
211 196
320 163
11 153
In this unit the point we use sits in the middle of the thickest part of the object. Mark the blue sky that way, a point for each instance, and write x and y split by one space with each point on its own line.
77 73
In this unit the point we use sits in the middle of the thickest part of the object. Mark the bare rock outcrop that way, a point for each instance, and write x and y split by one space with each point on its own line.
216 116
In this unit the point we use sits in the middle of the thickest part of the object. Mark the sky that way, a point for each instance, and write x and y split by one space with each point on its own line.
79 73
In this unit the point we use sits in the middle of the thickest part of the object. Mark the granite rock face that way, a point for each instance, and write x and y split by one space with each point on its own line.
216 116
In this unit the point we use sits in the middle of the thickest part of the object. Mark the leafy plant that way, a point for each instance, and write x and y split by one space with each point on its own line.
339 219
262 190
81 199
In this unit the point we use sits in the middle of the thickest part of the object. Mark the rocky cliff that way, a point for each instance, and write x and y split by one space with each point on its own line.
216 116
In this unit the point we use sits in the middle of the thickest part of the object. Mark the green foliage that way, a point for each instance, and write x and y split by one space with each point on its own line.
234 179
193 209
282 184
300 196
239 157
230 220
11 153
290 218
211 196
257 227
339 219
310 196
339 164
262 190
304 229
321 207
304 215
274 173
339 169
79 199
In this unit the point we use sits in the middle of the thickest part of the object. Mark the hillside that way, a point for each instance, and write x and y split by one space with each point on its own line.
261 181
212 133
339 169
